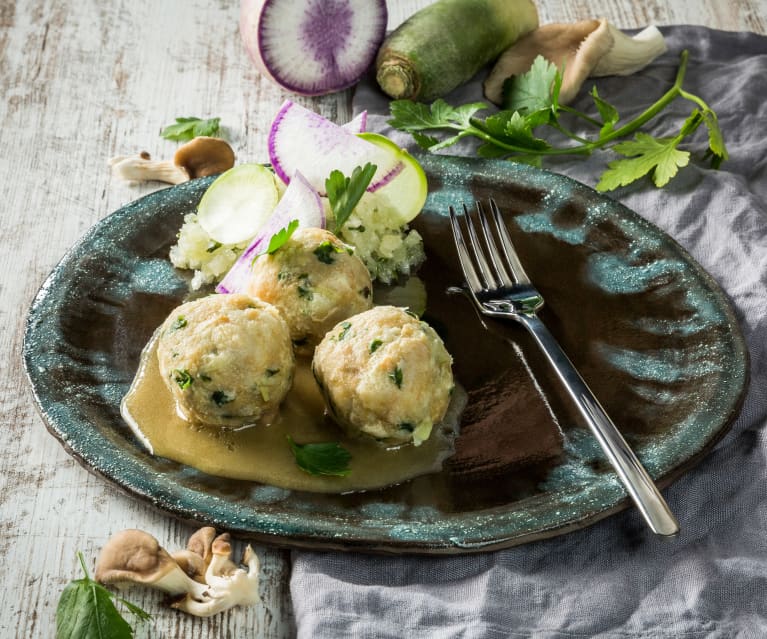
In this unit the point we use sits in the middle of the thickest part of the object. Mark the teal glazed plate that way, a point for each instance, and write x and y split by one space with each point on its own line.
648 328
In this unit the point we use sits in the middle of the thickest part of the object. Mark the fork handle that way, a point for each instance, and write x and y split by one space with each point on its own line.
637 482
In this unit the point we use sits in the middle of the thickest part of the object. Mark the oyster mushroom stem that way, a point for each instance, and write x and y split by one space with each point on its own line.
135 557
589 48
199 157
229 585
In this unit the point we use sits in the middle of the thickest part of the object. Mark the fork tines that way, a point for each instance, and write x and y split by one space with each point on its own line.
491 271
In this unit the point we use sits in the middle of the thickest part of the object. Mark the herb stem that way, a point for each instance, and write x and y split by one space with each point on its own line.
653 110
82 563
569 134
580 114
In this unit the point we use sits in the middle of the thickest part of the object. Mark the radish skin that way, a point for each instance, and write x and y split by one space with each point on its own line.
313 47
444 44
303 140
299 202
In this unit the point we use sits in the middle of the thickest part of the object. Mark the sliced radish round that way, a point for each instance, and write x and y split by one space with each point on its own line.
299 202
313 47
302 140
404 197
237 203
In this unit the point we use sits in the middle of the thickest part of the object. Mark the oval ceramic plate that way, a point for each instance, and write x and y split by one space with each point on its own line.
649 330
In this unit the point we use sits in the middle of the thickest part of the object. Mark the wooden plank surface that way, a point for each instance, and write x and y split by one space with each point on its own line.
81 81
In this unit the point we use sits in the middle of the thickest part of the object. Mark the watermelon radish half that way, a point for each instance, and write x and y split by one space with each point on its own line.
313 47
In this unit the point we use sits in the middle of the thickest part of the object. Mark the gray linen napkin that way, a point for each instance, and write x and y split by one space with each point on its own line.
614 579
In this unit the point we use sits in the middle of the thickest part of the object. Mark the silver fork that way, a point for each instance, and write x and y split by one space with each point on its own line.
501 288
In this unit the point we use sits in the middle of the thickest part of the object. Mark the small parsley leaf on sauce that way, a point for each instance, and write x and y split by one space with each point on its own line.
326 458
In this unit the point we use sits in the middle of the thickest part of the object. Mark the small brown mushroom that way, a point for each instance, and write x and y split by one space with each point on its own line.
589 48
201 542
135 557
199 157
229 585
204 156
195 558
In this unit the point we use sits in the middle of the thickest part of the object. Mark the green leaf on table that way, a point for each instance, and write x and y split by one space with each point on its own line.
345 192
644 154
186 129
327 458
86 611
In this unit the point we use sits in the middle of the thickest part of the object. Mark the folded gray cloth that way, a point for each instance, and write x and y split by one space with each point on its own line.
614 579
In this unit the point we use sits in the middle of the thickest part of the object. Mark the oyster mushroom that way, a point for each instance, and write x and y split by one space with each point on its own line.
229 585
195 558
590 48
199 157
135 557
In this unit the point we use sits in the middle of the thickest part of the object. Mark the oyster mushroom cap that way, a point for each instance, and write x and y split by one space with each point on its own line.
203 156
191 563
195 558
588 48
135 557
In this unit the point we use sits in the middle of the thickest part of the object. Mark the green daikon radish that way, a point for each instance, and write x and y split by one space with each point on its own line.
446 43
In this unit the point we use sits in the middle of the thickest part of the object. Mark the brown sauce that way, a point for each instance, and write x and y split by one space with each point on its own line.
262 453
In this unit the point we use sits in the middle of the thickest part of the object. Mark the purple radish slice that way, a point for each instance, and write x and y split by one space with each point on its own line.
302 140
299 202
358 124
313 47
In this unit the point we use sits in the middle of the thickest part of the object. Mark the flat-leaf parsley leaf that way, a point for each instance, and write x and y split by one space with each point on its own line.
186 129
345 192
282 236
327 458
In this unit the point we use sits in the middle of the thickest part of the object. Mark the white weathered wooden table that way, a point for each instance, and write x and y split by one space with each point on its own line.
79 83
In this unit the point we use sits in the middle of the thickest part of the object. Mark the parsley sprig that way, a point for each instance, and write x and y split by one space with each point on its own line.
281 237
86 611
186 129
531 101
345 192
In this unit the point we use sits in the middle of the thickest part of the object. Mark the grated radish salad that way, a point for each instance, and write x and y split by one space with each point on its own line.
387 252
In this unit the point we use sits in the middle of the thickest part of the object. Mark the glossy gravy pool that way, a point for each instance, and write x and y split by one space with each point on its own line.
262 453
